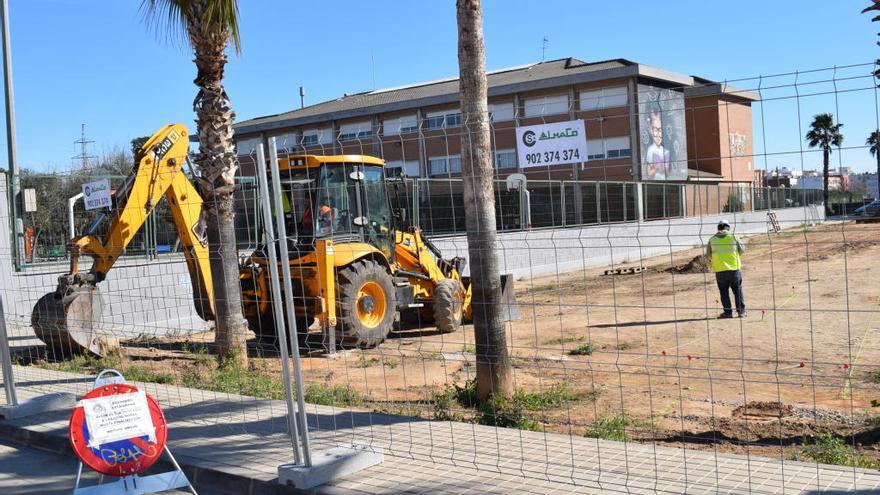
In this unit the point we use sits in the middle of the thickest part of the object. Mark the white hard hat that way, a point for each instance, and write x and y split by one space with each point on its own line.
723 225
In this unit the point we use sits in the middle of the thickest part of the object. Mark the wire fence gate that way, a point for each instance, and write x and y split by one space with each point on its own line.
624 378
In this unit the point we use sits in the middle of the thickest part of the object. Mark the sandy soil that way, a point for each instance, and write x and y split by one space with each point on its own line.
807 350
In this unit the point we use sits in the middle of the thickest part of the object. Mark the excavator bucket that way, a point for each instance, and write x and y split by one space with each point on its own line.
508 298
69 322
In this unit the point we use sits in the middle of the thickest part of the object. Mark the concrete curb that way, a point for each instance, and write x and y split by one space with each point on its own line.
200 473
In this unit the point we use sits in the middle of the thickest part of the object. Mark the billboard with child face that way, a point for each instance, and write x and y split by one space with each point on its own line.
662 134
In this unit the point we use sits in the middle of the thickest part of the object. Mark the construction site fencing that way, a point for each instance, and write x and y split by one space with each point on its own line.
617 367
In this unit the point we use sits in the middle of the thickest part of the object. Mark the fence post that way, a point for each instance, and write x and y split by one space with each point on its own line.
6 358
562 200
269 238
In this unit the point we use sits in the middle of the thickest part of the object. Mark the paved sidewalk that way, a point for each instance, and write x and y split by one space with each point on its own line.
236 443
30 471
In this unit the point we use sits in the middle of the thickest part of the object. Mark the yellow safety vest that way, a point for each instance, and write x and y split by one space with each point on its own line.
725 255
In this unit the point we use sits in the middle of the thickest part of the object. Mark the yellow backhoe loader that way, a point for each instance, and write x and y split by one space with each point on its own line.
354 263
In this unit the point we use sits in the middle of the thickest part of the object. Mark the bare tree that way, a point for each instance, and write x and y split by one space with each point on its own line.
209 26
493 361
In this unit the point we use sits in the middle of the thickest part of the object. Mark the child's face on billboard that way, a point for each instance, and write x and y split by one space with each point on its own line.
656 129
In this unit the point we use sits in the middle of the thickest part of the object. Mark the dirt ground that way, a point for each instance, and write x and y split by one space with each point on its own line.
805 361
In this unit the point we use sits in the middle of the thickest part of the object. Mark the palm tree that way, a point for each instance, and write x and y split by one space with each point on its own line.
873 143
824 133
209 26
493 361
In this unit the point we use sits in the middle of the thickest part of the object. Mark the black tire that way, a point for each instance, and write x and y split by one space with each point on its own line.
263 327
376 320
448 304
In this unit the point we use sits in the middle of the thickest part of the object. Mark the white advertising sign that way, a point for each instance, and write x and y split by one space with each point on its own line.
551 144
96 194
118 417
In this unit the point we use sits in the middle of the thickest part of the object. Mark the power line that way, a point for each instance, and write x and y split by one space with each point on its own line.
84 157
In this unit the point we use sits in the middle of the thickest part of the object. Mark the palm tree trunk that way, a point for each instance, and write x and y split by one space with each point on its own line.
493 361
218 164
825 160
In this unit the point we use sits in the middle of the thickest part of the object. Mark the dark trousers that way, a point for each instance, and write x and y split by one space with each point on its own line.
727 281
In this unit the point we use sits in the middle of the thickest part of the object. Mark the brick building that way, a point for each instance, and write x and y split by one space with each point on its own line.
700 130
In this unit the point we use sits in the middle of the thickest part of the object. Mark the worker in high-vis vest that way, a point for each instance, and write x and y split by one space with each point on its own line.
725 252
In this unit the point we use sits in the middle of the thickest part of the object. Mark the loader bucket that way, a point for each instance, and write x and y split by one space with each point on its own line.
71 323
508 298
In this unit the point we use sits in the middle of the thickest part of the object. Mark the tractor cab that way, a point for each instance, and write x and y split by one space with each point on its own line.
340 198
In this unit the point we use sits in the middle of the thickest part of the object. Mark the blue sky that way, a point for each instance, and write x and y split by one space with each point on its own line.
95 61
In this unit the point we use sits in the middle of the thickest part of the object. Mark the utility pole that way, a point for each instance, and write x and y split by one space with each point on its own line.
84 157
17 240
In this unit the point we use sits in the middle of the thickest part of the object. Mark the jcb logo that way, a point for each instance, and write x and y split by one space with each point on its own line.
162 148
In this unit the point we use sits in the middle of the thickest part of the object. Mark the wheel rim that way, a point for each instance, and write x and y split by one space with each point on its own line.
371 304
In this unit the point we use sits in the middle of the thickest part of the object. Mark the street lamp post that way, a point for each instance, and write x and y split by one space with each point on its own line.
10 139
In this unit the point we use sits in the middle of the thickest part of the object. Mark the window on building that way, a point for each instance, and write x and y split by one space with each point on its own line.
410 168
617 147
499 112
247 146
354 131
505 159
604 98
545 105
440 120
313 137
286 143
444 165
400 125
595 149
613 147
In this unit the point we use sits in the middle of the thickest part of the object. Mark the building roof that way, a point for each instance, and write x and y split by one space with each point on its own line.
534 76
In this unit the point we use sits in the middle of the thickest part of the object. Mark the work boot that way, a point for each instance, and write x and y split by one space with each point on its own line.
723 316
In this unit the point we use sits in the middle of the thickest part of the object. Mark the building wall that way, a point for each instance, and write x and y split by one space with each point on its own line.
720 138
736 140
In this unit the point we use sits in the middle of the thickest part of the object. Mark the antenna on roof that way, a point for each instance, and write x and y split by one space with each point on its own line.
544 44
302 96
373 70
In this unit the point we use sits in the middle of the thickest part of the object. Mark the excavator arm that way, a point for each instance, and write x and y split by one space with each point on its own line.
69 318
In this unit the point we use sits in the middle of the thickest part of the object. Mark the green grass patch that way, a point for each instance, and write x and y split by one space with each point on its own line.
469 349
874 376
583 350
624 346
338 395
828 449
137 373
454 397
231 379
568 339
613 428
506 413
555 396
363 361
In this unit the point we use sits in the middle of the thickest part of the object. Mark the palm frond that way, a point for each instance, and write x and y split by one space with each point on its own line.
175 17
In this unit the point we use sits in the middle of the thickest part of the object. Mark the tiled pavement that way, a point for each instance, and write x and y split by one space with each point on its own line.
237 442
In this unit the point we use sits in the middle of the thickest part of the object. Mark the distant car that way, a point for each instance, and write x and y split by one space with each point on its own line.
868 210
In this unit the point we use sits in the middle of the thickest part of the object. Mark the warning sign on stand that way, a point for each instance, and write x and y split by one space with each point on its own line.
118 430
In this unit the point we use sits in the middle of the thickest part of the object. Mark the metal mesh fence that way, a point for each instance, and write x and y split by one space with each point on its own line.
623 376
